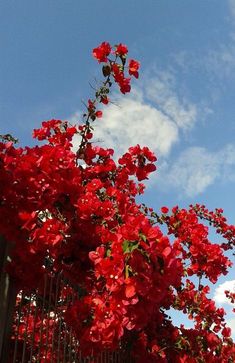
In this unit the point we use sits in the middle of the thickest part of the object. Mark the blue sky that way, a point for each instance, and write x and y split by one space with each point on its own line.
182 106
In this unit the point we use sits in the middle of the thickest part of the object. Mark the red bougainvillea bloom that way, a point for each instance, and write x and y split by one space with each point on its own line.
104 100
102 52
133 68
99 114
121 50
164 210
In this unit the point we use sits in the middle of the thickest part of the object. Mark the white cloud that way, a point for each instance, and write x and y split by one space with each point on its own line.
197 168
214 63
231 4
231 325
161 90
219 60
220 299
152 115
136 122
155 115
219 295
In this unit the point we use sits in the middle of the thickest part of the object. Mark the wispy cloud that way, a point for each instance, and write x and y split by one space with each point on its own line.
221 300
152 115
135 121
196 168
155 115
231 4
219 295
162 91
215 62
219 60
231 325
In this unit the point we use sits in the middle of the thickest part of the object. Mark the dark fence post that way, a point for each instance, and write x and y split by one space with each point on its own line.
7 302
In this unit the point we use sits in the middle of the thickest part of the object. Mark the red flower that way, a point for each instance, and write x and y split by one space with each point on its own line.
104 100
226 332
99 114
121 50
164 210
125 85
133 68
102 52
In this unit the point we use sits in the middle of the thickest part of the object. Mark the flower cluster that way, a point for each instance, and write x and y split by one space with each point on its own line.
112 67
78 210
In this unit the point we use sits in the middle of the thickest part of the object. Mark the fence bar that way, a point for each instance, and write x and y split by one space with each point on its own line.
33 330
41 315
7 302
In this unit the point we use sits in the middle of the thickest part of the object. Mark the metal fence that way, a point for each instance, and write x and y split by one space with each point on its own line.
33 328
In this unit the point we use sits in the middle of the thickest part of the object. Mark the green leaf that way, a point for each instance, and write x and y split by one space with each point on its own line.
130 246
108 253
125 246
144 238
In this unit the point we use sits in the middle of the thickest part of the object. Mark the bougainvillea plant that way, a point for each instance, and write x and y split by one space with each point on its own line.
78 211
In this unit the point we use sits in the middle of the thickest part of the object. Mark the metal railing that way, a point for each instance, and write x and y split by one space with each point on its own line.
33 327
7 302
